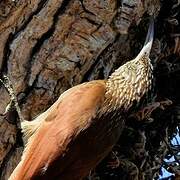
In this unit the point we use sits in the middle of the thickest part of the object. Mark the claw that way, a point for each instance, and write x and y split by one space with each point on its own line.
146 112
165 103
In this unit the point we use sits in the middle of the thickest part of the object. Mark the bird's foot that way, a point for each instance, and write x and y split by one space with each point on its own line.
146 112
115 162
165 103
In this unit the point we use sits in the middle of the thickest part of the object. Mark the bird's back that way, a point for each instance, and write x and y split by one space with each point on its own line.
73 138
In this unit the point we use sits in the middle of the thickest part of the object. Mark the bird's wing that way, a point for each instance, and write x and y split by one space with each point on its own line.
30 127
72 113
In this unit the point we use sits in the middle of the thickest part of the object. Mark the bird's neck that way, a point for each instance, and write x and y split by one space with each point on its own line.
128 83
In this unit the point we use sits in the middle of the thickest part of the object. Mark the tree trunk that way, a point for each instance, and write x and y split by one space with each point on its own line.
48 46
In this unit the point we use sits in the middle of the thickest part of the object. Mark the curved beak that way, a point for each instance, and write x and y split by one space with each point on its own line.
148 42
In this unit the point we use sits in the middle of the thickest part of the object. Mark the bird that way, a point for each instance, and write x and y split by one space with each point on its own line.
78 131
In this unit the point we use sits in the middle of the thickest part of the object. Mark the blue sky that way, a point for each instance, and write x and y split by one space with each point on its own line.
176 142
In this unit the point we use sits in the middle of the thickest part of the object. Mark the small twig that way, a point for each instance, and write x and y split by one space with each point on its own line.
8 85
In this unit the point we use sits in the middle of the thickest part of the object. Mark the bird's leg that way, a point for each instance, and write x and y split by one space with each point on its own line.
115 161
13 99
146 112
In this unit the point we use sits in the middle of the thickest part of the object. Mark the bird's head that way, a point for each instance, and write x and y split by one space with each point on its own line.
133 80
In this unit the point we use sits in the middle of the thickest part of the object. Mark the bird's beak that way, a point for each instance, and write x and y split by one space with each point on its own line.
148 42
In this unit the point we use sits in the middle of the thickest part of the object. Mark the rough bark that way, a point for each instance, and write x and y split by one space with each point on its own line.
48 46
